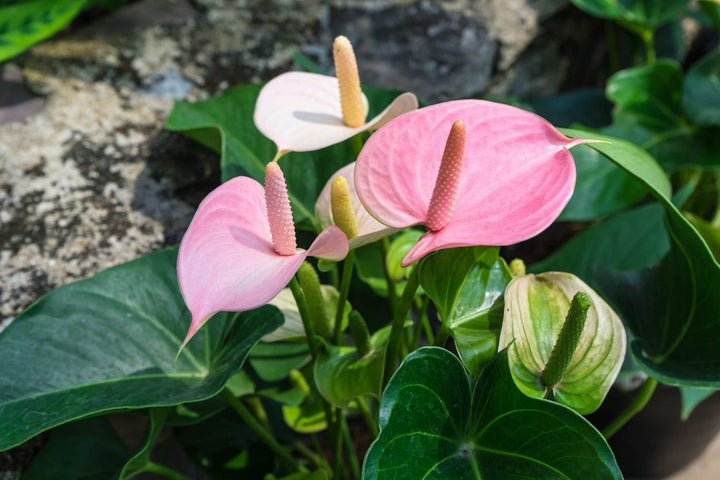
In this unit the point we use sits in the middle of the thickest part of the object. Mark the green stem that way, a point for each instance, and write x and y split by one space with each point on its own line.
348 265
260 431
647 38
304 316
442 336
350 450
715 222
392 294
338 419
401 312
164 471
421 305
637 404
318 460
367 415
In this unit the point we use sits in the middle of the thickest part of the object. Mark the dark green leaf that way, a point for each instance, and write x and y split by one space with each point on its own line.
649 93
109 343
671 307
26 23
692 397
601 188
431 427
88 449
709 233
646 13
140 460
466 285
701 90
273 361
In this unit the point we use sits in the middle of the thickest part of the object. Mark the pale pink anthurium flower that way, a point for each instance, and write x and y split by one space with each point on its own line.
368 229
240 249
473 172
302 112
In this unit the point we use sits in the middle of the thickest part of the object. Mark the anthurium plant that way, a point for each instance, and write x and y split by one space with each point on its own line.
340 306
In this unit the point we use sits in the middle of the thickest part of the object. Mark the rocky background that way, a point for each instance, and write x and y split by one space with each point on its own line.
88 176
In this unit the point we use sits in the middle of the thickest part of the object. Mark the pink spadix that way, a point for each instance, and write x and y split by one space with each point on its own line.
239 250
515 177
442 202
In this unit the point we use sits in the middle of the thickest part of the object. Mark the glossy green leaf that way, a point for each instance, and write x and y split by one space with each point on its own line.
88 449
109 343
651 93
341 374
601 188
433 427
23 24
306 418
692 397
225 124
646 13
466 285
138 463
709 233
400 245
711 8
701 90
671 307
273 361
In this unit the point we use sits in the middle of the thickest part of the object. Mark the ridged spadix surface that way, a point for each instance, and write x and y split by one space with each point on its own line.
226 260
442 202
535 310
517 174
301 112
279 213
351 96
369 229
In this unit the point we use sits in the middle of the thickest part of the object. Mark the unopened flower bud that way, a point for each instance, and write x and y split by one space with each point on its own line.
517 267
563 339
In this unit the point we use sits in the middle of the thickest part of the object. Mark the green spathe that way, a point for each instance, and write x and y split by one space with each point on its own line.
535 310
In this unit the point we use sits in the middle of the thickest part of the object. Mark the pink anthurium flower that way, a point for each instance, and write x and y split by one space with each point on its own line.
240 251
369 229
303 112
474 172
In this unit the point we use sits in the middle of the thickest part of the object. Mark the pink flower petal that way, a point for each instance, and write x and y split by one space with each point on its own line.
301 112
369 229
517 174
226 259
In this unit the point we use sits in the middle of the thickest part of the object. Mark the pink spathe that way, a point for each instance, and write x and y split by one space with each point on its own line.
227 261
301 112
517 174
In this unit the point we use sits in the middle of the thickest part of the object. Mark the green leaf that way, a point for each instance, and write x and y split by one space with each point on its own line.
650 93
709 233
466 285
601 188
645 13
109 343
26 23
273 361
225 124
672 307
711 8
341 374
432 427
140 460
306 418
94 448
701 90
692 397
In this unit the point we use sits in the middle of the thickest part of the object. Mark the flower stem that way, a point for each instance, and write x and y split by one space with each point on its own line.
348 265
164 471
401 312
647 38
367 415
392 294
350 449
637 404
304 315
442 335
260 431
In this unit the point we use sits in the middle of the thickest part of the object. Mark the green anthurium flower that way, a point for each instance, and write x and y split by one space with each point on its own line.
593 343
